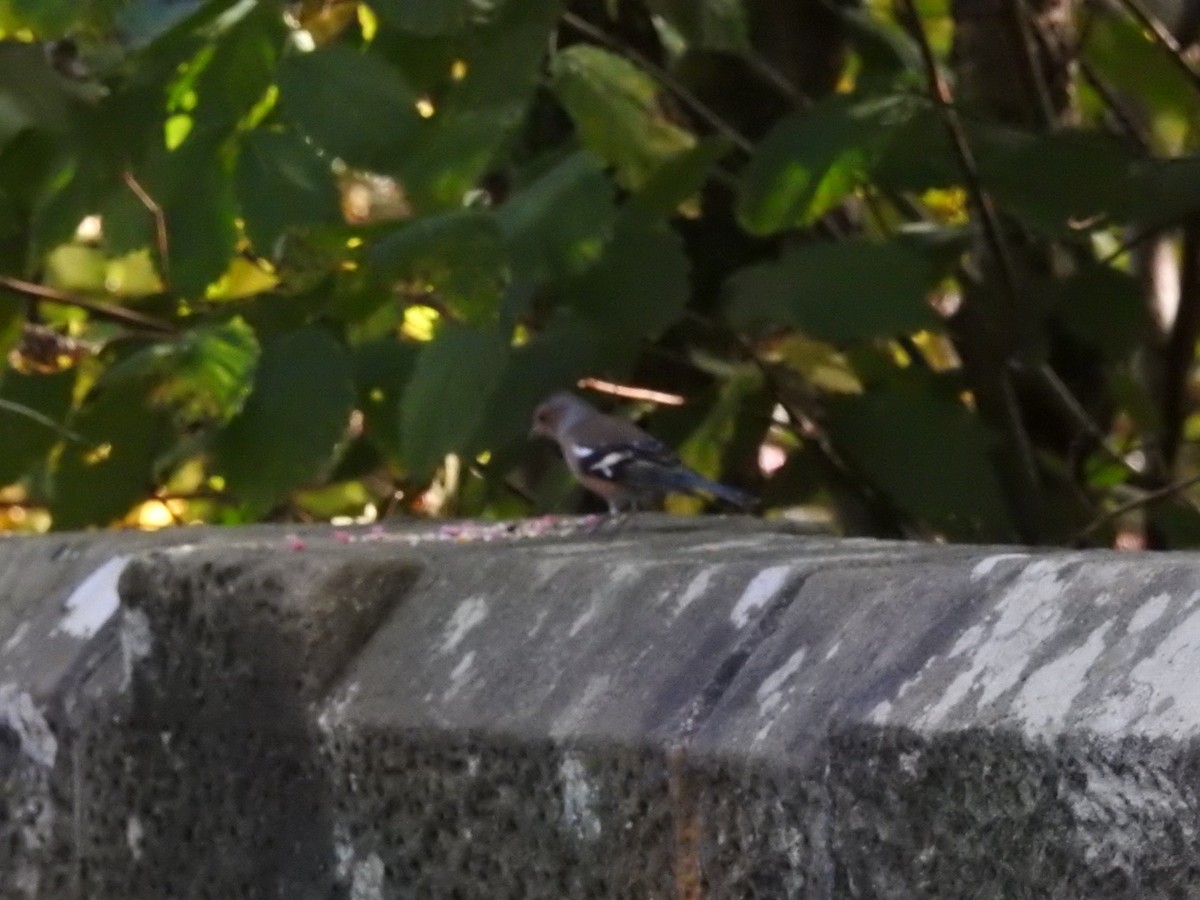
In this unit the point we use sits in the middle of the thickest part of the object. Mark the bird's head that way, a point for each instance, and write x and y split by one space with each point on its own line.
556 412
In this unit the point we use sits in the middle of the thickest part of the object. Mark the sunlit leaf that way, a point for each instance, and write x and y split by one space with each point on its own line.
457 258
614 105
205 374
811 160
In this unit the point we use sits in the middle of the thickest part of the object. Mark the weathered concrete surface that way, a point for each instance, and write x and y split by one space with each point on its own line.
714 709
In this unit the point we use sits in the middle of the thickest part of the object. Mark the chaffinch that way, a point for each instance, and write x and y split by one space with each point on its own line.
618 461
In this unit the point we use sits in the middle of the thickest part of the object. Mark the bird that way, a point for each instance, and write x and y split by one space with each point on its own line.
619 462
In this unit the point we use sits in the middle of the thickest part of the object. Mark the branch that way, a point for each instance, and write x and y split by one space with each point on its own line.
1164 38
160 222
939 92
994 388
1146 499
98 308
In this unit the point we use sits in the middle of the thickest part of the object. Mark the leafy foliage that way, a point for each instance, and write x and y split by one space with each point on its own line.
265 262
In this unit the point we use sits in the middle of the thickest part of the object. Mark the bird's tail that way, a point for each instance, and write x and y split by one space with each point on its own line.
689 482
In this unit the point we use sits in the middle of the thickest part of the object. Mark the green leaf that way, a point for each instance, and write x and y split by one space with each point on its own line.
281 183
614 105
101 478
381 370
450 389
458 257
928 455
1122 53
639 286
1165 192
1104 307
558 224
707 24
841 292
203 374
27 440
351 103
810 161
681 178
1058 183
295 416
426 17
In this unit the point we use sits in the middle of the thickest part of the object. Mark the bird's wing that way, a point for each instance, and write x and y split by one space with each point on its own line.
625 461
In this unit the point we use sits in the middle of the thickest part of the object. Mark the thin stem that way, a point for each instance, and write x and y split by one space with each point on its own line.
160 221
1146 499
939 92
97 307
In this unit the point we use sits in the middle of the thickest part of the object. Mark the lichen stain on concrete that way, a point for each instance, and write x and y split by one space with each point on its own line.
93 601
334 712
467 615
984 567
1045 699
998 652
16 637
460 675
578 799
368 879
135 837
695 589
772 694
25 720
1163 696
137 642
758 593
1148 613
584 617
567 723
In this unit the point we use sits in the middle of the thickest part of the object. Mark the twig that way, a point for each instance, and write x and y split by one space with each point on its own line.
996 384
21 410
665 78
1131 128
1033 46
1145 499
940 93
97 307
160 222
1163 37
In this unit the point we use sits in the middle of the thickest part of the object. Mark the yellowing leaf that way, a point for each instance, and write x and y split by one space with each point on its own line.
614 105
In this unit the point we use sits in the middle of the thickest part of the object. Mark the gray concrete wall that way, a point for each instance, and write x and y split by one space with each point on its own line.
674 709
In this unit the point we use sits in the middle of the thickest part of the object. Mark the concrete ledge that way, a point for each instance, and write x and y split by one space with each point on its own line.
675 709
